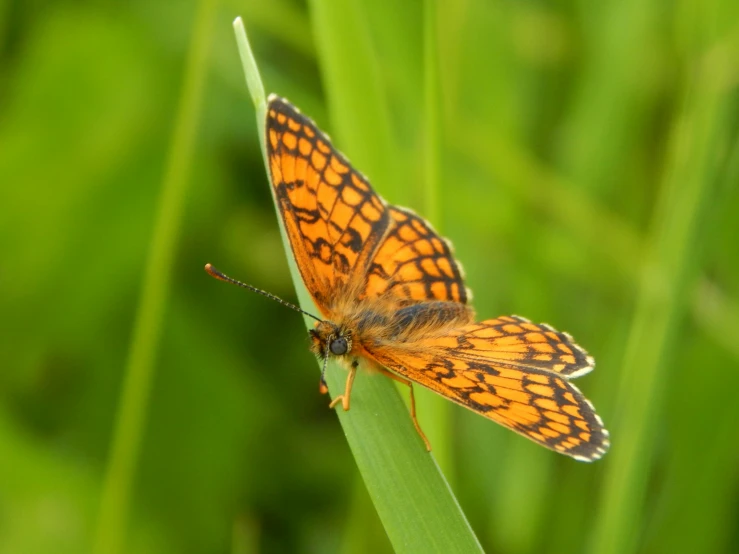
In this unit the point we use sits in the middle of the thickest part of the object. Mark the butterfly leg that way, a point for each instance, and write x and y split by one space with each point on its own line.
346 397
413 404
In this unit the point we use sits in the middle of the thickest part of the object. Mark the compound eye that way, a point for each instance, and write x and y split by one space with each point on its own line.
338 346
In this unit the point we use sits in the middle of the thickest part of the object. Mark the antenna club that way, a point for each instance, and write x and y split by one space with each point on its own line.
213 272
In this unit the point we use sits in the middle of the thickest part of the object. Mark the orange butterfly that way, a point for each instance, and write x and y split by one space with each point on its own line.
393 299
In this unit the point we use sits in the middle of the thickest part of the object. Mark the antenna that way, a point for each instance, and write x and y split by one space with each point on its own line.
213 272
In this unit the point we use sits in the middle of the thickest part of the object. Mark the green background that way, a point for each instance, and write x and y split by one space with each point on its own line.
583 158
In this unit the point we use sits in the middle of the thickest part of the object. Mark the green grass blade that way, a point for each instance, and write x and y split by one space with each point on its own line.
432 107
353 81
131 416
435 413
673 252
253 80
414 502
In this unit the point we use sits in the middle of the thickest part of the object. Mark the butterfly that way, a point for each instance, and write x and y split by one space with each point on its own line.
392 299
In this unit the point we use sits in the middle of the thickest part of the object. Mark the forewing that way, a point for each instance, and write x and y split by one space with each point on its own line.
494 368
333 218
414 264
341 232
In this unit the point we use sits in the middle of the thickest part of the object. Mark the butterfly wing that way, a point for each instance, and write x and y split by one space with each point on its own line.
343 235
516 340
414 264
333 218
511 371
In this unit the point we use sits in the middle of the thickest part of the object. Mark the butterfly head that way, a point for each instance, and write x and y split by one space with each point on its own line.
330 339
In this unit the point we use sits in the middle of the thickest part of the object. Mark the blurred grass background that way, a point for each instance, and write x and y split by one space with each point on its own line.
587 166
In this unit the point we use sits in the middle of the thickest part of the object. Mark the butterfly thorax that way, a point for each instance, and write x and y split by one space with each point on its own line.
373 321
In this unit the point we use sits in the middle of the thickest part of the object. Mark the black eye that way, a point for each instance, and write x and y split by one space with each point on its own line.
338 346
